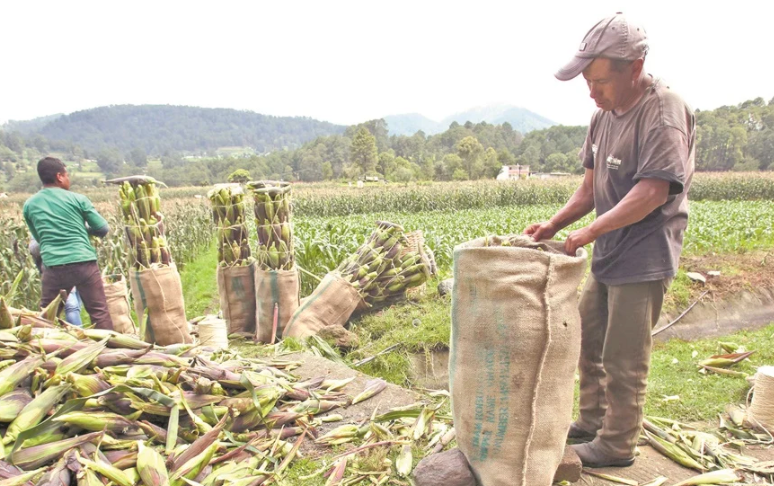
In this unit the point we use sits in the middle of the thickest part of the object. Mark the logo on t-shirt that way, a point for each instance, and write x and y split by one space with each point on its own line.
613 163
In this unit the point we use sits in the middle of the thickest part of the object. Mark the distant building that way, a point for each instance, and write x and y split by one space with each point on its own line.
511 172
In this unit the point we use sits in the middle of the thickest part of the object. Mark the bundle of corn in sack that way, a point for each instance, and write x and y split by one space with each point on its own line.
236 272
117 298
379 272
153 278
276 275
85 406
514 313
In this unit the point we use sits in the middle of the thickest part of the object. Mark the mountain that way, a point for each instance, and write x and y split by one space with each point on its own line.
411 123
26 127
520 119
187 129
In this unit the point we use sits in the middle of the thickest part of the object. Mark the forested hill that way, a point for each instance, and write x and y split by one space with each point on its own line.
158 129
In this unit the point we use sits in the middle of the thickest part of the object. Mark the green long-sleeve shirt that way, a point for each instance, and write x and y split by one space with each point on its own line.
57 219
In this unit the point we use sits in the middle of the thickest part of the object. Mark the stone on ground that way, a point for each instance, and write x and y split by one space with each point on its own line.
448 468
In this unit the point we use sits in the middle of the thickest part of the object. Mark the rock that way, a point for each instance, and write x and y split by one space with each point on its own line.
696 277
448 468
570 467
445 287
339 336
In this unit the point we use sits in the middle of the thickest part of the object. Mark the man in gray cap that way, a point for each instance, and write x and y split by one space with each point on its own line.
639 159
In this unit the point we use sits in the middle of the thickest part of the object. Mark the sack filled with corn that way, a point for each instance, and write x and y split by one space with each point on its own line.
378 273
117 298
235 275
514 313
276 275
153 277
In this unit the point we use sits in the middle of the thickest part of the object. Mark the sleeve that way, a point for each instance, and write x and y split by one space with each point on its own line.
664 155
91 216
28 220
587 151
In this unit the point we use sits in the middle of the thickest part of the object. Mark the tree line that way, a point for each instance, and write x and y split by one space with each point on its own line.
737 137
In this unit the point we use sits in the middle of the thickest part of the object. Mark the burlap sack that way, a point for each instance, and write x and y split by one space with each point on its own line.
161 292
117 297
272 287
515 343
331 304
236 290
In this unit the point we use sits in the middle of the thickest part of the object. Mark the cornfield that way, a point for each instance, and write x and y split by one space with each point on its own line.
728 226
729 213
327 200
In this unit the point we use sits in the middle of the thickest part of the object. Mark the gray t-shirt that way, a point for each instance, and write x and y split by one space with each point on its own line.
654 139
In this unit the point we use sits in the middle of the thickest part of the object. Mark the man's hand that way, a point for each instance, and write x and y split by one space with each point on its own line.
541 231
579 238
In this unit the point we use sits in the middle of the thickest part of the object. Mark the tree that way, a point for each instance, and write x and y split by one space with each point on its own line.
386 163
363 151
470 151
327 171
109 161
240 175
460 175
491 163
138 157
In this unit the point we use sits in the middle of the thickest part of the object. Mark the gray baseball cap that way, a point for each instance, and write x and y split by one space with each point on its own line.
614 38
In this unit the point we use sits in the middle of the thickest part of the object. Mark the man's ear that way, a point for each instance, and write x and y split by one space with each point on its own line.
637 67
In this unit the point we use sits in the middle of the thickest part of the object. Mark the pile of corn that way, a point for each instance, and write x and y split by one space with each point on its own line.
228 213
94 406
143 221
380 269
272 221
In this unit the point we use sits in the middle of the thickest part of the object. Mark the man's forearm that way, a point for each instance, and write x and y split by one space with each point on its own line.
580 204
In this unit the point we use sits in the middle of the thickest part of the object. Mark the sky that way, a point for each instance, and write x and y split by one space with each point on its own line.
348 62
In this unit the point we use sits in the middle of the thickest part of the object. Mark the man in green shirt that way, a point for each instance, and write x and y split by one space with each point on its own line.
61 221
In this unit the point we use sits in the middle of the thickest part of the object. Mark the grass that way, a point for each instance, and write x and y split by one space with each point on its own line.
674 372
200 289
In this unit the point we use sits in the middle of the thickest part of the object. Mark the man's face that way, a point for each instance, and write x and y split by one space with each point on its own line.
64 180
608 88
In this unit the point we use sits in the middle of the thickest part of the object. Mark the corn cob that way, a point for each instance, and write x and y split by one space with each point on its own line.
272 210
228 213
11 404
34 412
151 467
143 221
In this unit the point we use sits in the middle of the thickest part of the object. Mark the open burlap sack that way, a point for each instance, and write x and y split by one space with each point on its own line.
117 298
236 291
331 304
161 292
515 343
278 288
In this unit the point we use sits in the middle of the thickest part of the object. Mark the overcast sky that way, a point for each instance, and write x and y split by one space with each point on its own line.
348 62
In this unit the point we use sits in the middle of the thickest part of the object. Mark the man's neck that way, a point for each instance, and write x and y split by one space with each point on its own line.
638 91
52 186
